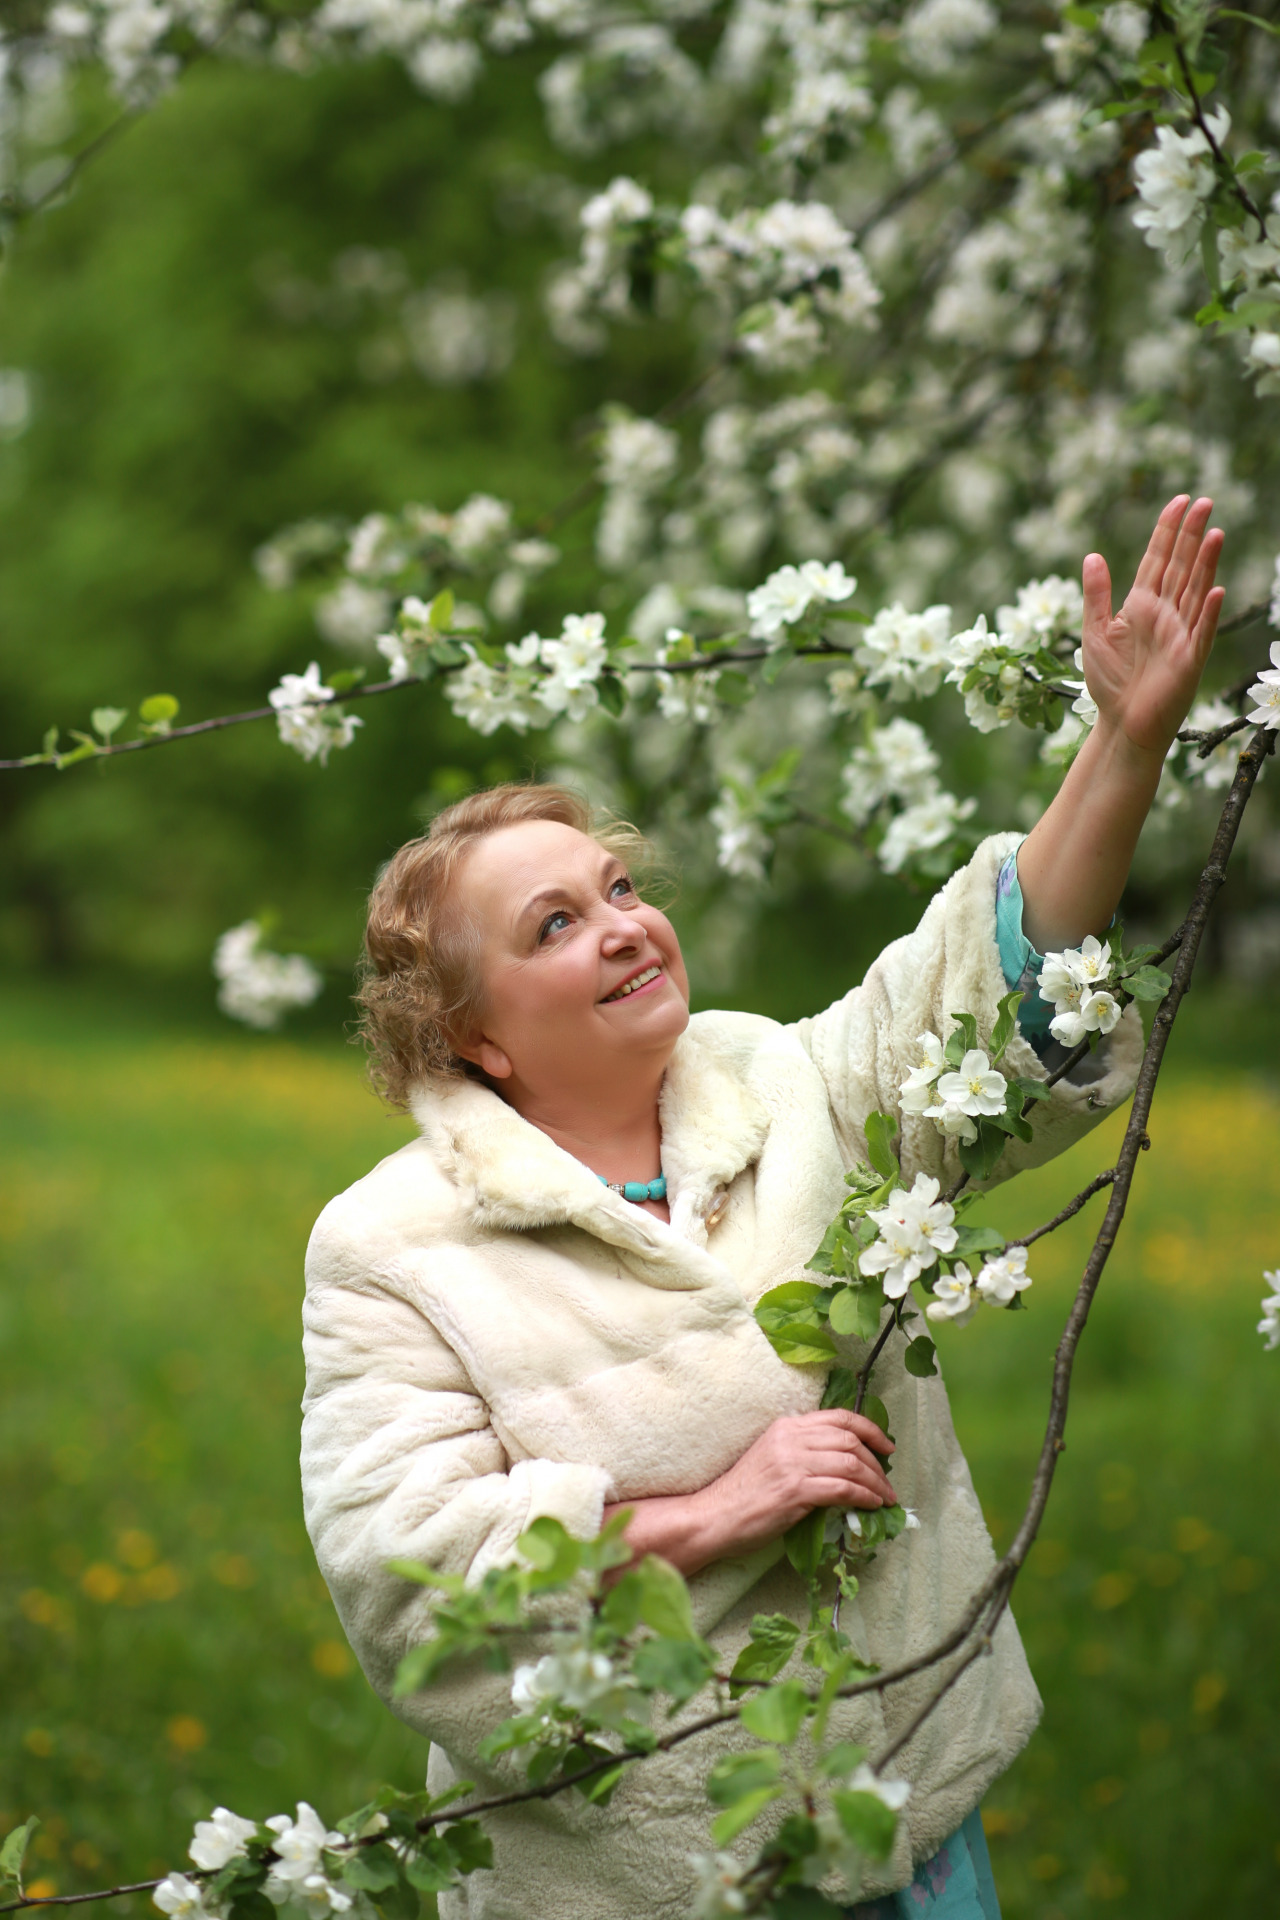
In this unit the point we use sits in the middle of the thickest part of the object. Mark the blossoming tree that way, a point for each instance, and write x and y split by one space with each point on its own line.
966 289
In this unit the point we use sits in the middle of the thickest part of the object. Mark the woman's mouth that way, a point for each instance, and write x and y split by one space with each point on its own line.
644 978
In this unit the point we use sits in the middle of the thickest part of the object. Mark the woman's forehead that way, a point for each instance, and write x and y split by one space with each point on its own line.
507 871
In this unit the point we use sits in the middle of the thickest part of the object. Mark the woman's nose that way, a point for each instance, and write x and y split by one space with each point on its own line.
623 930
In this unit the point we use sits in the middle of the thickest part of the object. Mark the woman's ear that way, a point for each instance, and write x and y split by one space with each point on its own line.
483 1053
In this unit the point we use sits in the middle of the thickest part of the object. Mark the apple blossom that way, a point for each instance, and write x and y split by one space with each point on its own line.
1003 1276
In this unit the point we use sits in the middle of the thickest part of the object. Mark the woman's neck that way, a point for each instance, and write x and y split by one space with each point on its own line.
612 1129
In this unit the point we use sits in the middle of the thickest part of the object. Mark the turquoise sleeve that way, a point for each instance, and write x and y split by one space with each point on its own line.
1019 960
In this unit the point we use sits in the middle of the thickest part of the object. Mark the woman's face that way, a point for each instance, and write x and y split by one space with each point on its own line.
578 976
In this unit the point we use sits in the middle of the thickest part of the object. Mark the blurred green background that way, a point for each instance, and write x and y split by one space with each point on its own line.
168 1644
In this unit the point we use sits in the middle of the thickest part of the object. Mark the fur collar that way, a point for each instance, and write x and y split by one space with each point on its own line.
511 1175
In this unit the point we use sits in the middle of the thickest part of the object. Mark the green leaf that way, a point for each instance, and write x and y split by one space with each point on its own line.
1031 1089
841 1389
552 1550
426 1576
440 612
804 1903
772 1642
879 1129
345 679
1006 1022
13 1848
664 1602
253 1905
800 1347
728 1825
978 1157
675 1667
469 1845
431 1868
158 710
371 1868
867 1821
734 689
791 1294
972 1240
777 1714
613 694
108 720
739 1774
856 1311
771 667
805 1541
963 1040
1148 983
839 1761
918 1358
876 1410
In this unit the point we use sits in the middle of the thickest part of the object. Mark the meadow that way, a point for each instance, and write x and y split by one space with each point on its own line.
168 1644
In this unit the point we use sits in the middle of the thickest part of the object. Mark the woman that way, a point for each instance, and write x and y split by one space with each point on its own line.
494 1332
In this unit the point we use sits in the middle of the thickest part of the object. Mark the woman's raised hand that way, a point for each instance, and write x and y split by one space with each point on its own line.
1143 664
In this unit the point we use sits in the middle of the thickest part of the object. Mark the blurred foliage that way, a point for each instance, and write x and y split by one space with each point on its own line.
169 1646
180 417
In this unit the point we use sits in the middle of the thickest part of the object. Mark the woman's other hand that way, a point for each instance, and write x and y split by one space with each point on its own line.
800 1462
1143 664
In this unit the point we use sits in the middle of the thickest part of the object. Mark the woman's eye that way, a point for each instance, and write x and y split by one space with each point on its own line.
622 886
554 924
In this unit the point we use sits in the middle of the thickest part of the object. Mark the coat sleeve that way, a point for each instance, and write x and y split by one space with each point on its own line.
865 1045
399 1454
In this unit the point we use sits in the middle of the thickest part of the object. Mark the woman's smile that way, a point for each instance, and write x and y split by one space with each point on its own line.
643 980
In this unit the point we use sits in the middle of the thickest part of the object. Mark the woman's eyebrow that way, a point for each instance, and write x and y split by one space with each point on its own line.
545 895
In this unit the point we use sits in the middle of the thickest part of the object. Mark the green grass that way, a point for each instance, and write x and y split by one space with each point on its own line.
168 1644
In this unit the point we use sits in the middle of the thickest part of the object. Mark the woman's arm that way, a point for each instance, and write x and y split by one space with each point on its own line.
807 1460
1142 666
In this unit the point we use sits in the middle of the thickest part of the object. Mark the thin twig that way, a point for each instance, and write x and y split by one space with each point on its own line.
1072 1208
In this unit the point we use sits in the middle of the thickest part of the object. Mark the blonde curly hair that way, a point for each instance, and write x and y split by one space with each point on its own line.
419 983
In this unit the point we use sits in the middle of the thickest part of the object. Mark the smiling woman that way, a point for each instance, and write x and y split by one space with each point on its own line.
543 1306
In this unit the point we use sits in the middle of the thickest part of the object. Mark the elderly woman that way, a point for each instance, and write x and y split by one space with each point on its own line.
543 1305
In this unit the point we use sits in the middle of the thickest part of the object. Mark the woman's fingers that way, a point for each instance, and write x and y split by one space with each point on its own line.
1096 581
1196 591
1160 547
857 1424
1207 626
862 1464
1186 551
841 1493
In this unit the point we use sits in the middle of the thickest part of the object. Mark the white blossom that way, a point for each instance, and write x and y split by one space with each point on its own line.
953 1296
301 719
1003 1276
720 1892
181 1898
920 828
935 31
914 1229
299 1845
1269 1325
742 845
1265 691
1174 179
893 1793
895 762
1095 1012
906 653
221 1838
975 1089
782 600
1218 768
352 614
258 987
916 1091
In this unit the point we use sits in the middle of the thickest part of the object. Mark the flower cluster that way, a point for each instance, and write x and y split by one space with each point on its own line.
914 1228
1265 692
1009 674
1174 179
999 1281
295 1849
1076 982
307 718
534 681
954 1101
789 594
1269 1325
258 986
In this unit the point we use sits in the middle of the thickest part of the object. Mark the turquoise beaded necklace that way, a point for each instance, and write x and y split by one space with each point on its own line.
637 1191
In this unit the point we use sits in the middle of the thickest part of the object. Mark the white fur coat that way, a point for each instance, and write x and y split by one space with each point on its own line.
492 1335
